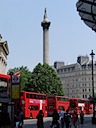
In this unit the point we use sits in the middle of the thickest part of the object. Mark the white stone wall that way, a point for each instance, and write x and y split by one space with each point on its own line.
3 63
78 82
3 55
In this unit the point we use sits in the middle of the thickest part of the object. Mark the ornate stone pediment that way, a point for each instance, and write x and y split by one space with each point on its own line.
4 51
4 46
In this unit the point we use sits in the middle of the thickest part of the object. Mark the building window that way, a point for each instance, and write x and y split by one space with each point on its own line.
85 96
65 69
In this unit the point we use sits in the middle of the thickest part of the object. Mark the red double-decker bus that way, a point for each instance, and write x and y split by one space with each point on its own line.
32 102
57 102
4 87
77 104
5 108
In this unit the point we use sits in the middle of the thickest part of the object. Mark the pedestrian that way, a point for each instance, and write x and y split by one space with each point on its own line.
61 114
20 118
15 120
39 117
67 119
75 119
55 120
82 117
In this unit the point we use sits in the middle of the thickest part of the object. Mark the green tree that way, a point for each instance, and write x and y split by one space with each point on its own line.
44 79
25 75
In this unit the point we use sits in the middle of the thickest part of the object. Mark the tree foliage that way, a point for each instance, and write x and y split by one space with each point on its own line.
25 75
43 79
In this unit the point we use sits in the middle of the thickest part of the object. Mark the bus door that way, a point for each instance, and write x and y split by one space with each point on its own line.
91 109
44 107
40 104
32 108
33 111
73 106
81 107
51 103
50 109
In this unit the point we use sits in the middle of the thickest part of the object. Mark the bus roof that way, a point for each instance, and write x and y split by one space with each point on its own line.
56 96
32 92
78 99
5 76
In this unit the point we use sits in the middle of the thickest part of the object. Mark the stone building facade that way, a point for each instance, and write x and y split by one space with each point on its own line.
4 51
77 78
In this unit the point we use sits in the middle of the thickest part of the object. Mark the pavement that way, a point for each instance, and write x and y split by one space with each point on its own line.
85 125
47 121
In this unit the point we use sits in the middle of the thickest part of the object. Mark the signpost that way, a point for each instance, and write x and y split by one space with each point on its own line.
14 93
15 87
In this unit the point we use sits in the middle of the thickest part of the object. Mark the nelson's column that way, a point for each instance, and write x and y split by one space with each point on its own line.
45 25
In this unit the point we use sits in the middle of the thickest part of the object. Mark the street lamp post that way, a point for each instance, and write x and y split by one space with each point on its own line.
93 118
12 104
92 56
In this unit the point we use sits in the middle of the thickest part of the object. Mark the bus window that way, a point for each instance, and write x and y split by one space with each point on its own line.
62 99
33 107
45 107
0 107
27 96
79 108
60 108
31 96
51 106
21 93
44 97
80 101
51 98
72 104
90 108
4 87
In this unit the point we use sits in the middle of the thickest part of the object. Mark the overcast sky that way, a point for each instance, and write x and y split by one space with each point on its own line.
20 25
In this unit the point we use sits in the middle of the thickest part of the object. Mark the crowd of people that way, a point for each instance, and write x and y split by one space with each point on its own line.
67 119
61 120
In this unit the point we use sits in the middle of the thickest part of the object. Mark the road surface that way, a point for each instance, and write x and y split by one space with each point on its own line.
31 123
